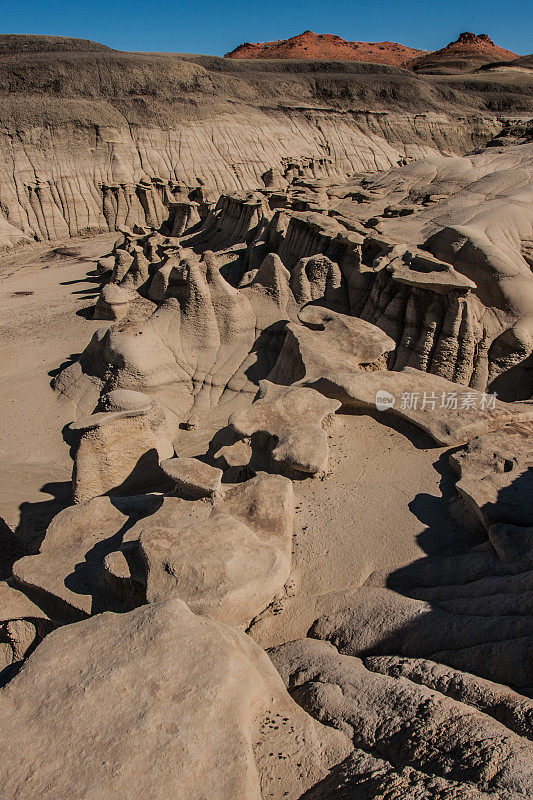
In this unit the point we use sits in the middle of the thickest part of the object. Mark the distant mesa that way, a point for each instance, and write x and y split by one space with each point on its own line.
27 43
467 52
328 47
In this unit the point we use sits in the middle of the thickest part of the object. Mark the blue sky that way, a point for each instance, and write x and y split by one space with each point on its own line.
216 26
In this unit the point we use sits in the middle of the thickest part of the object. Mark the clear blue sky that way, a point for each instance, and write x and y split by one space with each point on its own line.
216 26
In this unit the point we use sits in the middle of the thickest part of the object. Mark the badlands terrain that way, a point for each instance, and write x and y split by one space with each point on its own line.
266 426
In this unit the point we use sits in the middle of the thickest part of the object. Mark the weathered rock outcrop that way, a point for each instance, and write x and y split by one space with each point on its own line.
450 281
496 700
114 302
422 743
328 344
237 326
205 343
367 776
495 476
67 576
193 343
119 449
227 558
125 137
380 622
462 311
227 561
22 626
183 705
431 403
327 46
193 478
467 52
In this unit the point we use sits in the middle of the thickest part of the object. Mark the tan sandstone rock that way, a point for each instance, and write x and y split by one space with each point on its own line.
380 622
67 577
193 478
119 450
227 560
495 480
113 302
449 414
22 625
294 418
157 701
449 745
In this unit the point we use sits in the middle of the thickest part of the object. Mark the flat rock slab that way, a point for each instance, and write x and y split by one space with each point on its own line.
126 400
294 418
451 414
157 703
424 271
15 605
328 342
192 477
227 561
356 339
103 418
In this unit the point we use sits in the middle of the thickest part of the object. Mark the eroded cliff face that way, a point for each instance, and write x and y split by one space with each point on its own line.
93 140
62 180
436 254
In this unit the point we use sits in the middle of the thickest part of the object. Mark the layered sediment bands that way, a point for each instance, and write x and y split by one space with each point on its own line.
236 219
117 174
92 140
437 254
416 741
204 344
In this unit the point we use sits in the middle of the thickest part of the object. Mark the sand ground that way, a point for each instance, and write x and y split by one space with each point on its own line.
46 293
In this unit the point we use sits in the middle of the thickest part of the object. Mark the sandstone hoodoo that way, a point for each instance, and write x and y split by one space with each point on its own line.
267 422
